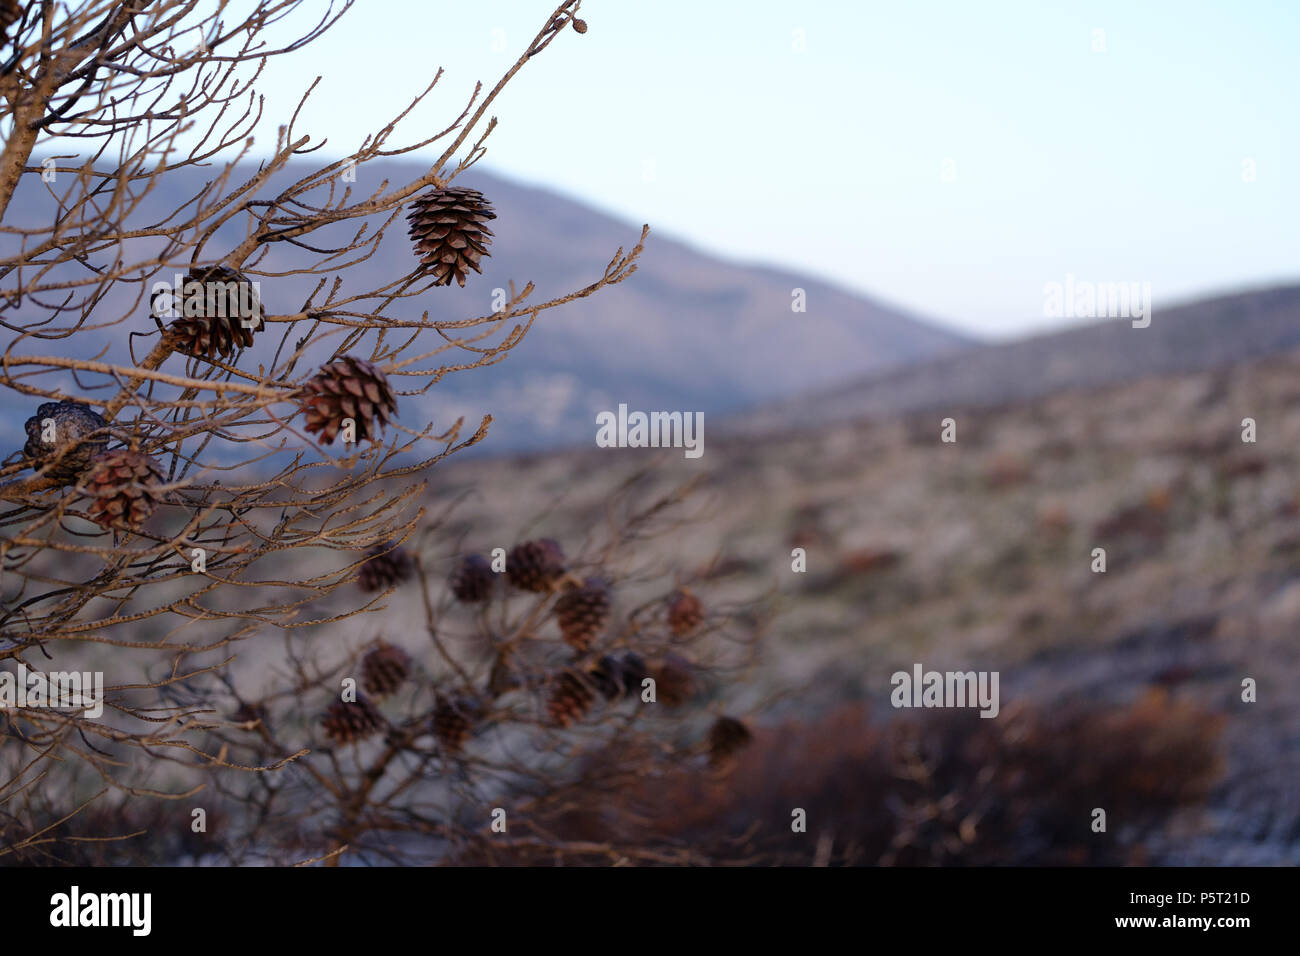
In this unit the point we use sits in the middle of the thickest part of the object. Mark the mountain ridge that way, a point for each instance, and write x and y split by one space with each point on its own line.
688 331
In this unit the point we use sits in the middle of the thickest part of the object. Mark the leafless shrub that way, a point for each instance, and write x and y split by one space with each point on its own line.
944 788
216 522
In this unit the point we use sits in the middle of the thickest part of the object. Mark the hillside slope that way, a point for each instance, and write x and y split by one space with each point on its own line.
687 332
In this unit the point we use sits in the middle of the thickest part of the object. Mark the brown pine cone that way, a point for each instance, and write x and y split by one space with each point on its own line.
449 229
384 669
607 677
685 613
453 720
535 565
11 11
582 613
348 387
674 681
123 485
69 451
473 580
572 696
618 675
387 565
346 722
219 312
634 672
727 737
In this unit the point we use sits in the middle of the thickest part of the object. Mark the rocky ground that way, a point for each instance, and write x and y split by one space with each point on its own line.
978 555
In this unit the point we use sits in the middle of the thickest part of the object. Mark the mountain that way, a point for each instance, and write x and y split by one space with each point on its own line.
687 332
1191 337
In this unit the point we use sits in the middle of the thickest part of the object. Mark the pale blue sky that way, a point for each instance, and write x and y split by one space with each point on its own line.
1123 165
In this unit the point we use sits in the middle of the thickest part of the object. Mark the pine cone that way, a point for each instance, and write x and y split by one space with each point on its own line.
571 697
685 613
674 681
535 565
449 232
607 677
123 484
11 11
220 316
727 737
582 613
453 719
387 566
472 580
348 387
634 672
70 452
347 722
616 676
384 669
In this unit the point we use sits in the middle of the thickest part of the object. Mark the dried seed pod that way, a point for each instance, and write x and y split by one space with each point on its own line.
473 580
220 311
606 676
674 680
535 565
123 485
572 696
348 721
449 229
453 721
582 613
348 388
727 737
685 613
68 451
387 565
634 672
384 669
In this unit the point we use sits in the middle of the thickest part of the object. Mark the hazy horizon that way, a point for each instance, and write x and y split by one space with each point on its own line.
962 157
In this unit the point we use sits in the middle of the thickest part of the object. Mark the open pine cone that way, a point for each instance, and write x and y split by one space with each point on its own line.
386 566
571 697
685 613
448 227
675 681
384 669
70 452
348 387
123 485
582 613
453 720
535 565
473 579
220 317
346 722
727 737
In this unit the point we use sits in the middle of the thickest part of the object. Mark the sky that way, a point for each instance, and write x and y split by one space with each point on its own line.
949 157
